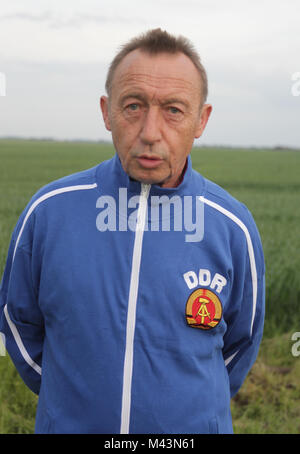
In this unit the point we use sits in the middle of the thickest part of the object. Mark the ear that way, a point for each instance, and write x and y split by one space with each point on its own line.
203 119
105 111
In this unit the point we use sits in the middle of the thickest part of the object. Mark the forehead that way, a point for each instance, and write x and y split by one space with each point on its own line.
163 72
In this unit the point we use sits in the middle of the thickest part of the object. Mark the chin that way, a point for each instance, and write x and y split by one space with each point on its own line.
148 178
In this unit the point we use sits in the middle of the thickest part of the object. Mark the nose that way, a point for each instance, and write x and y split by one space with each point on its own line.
151 127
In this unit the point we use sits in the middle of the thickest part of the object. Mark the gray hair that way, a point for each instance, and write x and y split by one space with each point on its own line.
155 42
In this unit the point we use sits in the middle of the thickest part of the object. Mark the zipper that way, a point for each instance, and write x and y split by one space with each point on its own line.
131 312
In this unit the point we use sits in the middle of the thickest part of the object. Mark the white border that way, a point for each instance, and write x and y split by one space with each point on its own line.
251 258
12 326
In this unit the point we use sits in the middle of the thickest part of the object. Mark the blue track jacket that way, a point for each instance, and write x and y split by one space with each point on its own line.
123 315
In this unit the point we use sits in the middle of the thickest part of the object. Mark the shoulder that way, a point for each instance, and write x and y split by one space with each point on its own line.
217 199
69 182
78 181
57 190
228 210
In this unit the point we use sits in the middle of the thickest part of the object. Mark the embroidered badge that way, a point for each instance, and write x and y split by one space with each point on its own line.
203 309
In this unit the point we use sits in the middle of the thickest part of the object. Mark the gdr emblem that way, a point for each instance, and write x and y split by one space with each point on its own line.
203 309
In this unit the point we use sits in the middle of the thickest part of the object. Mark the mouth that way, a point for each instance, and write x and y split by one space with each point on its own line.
149 161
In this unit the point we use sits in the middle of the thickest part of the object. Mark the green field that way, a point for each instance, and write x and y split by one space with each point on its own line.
268 182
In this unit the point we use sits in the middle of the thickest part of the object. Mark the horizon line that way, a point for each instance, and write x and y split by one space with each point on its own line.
108 142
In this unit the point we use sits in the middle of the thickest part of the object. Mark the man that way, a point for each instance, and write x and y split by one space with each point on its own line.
113 312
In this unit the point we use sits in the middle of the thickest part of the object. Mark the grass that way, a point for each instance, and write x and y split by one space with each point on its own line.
17 402
267 181
269 400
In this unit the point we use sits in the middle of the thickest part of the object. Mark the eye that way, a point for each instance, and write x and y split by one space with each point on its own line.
174 113
132 107
174 110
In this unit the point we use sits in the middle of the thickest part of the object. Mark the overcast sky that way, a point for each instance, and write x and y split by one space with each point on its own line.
54 55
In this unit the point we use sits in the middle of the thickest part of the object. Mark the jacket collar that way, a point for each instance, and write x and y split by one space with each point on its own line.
111 177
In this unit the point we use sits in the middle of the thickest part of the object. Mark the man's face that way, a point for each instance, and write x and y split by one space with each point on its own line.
154 115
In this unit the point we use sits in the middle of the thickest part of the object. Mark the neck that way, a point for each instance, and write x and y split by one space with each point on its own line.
179 180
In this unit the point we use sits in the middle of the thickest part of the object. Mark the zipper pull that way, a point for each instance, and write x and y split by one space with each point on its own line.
145 189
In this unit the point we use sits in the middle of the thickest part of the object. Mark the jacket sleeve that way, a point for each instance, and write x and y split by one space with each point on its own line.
245 318
21 321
